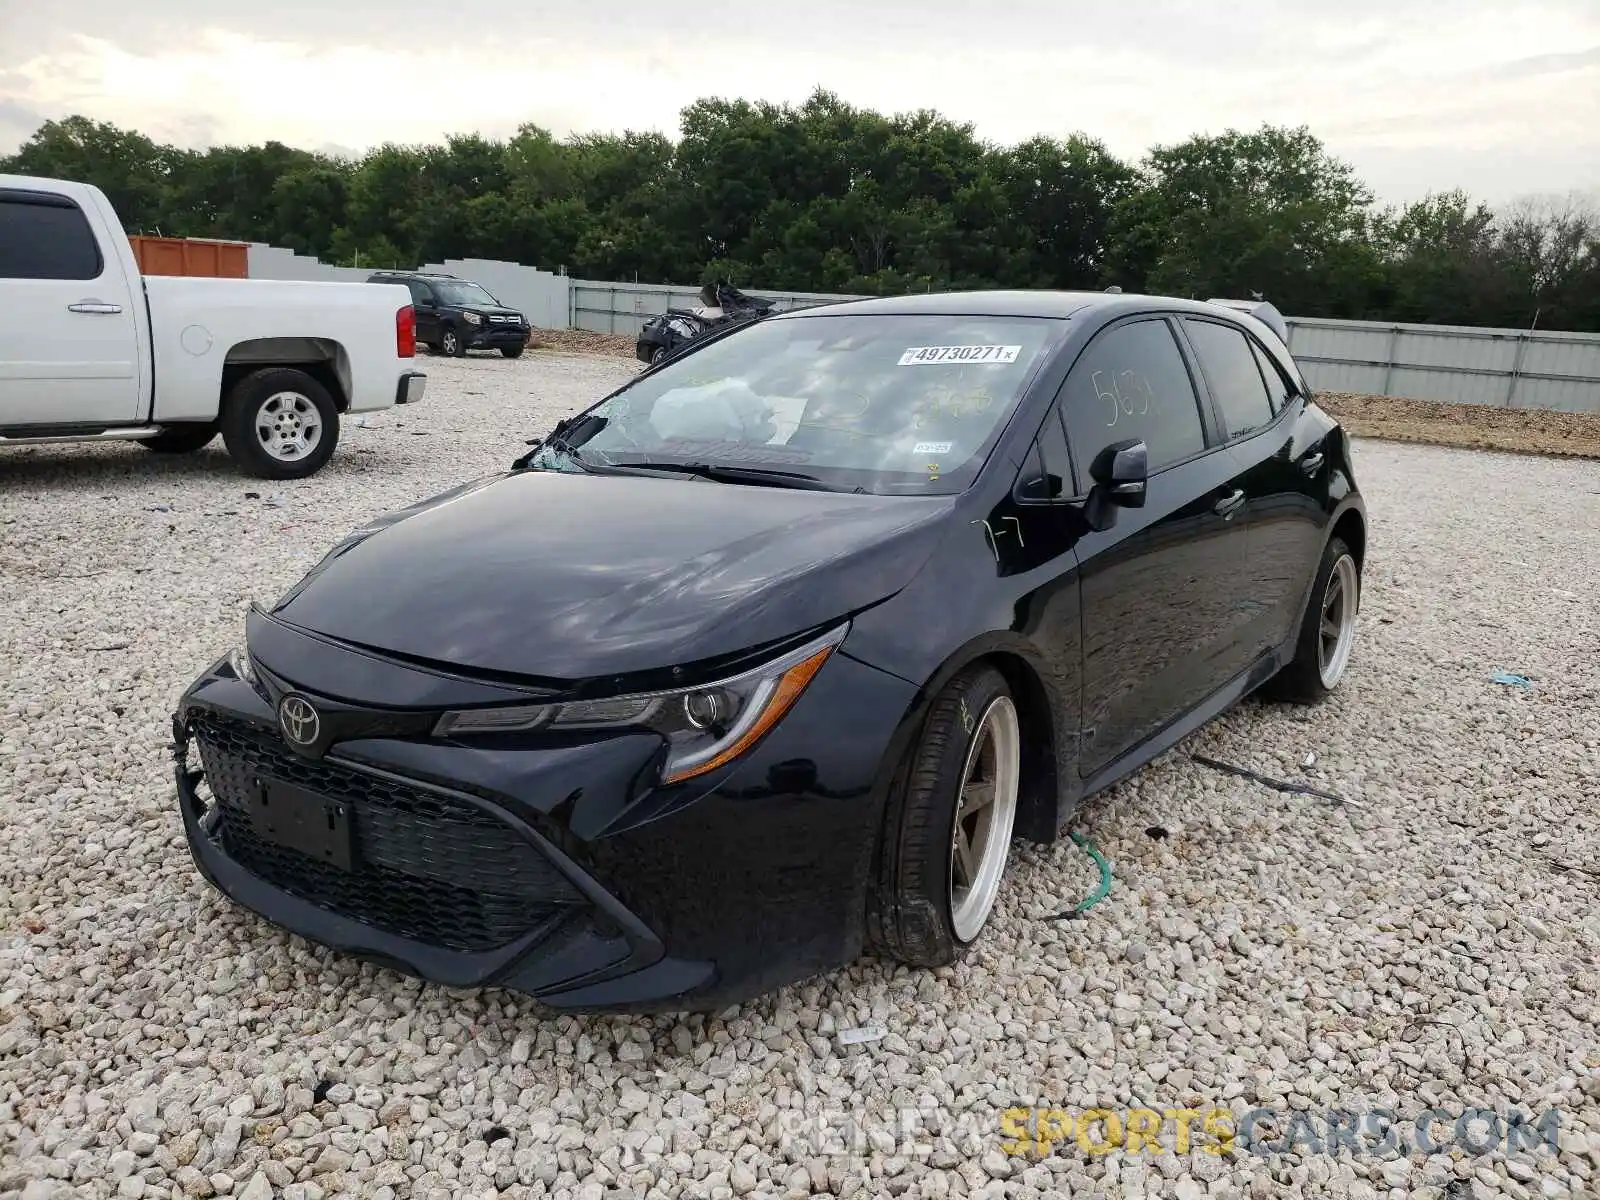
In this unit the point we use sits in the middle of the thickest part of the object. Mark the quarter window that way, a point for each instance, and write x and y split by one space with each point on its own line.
1277 390
1235 379
1132 383
44 236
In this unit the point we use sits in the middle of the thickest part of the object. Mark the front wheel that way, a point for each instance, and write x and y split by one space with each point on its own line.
280 423
1327 631
451 344
512 351
947 833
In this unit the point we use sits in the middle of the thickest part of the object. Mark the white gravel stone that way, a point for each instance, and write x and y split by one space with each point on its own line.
1430 948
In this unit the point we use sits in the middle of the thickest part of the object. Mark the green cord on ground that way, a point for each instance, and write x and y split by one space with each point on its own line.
1101 890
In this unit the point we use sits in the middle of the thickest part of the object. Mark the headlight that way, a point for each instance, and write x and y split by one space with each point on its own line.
706 727
239 660
472 318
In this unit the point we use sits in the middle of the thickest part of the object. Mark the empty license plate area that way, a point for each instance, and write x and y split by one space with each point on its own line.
296 819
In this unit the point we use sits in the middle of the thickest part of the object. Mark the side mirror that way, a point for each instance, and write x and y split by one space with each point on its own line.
1121 474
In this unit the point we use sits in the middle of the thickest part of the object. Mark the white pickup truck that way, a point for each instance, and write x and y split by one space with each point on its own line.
91 350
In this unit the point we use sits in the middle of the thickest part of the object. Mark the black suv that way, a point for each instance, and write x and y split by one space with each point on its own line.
457 315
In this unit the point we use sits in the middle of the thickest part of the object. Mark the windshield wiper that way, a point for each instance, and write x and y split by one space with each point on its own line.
764 476
557 441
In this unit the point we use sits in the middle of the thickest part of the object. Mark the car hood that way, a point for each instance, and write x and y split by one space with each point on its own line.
556 577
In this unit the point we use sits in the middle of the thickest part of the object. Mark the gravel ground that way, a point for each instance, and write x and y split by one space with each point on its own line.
1431 943
1469 426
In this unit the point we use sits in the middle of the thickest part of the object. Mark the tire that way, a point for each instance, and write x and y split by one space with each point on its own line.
656 355
916 912
272 402
451 343
1319 663
512 351
181 439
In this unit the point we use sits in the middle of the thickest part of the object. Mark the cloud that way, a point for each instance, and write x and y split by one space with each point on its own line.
17 123
1449 84
1545 64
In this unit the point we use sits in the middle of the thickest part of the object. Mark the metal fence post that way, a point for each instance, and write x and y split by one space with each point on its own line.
1394 352
1516 369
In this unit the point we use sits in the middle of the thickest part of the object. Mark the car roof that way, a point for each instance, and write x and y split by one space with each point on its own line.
1010 303
414 275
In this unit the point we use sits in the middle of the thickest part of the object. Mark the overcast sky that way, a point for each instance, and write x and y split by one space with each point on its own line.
1501 97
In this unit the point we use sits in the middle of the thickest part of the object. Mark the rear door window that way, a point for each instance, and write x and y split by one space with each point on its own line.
1231 371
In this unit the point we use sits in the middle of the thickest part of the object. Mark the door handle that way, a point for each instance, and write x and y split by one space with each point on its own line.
94 306
1312 463
1229 504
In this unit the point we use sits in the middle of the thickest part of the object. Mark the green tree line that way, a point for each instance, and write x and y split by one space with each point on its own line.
827 197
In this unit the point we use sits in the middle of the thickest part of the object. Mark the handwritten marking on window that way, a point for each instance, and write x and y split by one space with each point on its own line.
1125 393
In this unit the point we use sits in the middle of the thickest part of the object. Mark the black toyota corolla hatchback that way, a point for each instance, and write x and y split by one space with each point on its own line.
766 658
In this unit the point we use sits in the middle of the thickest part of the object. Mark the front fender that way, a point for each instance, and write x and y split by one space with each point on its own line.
1046 707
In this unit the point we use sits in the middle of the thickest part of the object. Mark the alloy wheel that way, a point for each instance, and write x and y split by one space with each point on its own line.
1338 621
986 809
288 426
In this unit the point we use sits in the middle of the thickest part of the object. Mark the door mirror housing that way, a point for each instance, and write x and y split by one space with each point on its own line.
1121 475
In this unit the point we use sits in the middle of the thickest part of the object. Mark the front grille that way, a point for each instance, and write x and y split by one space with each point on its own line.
426 867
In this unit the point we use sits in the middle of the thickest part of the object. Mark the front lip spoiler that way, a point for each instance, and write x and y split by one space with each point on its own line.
645 960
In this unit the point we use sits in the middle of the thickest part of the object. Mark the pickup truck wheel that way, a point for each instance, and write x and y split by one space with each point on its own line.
450 343
280 423
181 439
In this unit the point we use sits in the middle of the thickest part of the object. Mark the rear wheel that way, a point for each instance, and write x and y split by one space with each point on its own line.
280 423
947 834
1327 631
181 439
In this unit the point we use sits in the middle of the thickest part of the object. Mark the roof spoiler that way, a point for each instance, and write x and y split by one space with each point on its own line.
1261 311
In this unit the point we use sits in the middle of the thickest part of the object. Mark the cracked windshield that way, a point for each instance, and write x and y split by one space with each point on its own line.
877 404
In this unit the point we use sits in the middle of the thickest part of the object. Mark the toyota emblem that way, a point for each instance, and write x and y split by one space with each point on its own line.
299 721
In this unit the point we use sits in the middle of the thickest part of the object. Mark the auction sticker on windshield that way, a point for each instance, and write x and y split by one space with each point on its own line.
930 356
